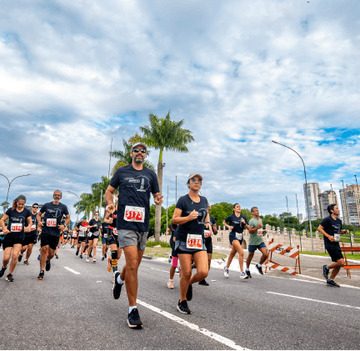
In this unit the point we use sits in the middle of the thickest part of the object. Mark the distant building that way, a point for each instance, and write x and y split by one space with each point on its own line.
325 199
350 204
311 194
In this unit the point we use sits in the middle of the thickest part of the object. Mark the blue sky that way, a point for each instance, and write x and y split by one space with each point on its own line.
239 73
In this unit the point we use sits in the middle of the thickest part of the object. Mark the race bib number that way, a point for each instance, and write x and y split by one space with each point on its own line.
105 236
194 241
51 222
16 227
239 236
134 214
336 237
33 227
207 233
115 231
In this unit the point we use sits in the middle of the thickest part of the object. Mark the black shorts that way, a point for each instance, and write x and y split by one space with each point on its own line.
232 237
50 240
81 239
13 238
30 238
209 245
334 252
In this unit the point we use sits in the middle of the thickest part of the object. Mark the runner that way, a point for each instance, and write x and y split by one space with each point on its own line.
30 238
52 213
256 241
74 235
94 226
191 216
174 257
330 228
236 224
134 183
208 242
18 219
104 237
82 229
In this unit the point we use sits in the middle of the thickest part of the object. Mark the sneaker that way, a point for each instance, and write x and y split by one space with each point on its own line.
26 262
325 271
248 274
177 270
2 271
94 260
41 275
243 275
87 259
81 256
332 283
203 282
9 278
20 257
259 268
117 287
189 293
57 256
134 320
183 307
226 272
105 255
77 252
170 284
48 266
103 258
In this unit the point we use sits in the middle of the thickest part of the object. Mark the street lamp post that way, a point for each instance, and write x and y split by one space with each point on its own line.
77 214
9 186
306 187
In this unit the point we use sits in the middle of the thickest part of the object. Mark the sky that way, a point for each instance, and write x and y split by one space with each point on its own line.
74 74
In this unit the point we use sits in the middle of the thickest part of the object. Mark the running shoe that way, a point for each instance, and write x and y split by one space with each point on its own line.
183 307
325 271
41 275
189 293
77 252
117 287
90 255
2 271
170 284
259 268
81 256
226 272
105 255
243 275
103 258
48 266
94 260
20 257
87 259
57 256
26 262
332 283
248 274
9 278
203 282
134 320
177 270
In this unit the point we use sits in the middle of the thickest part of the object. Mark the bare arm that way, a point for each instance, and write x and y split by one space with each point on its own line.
323 232
177 219
109 197
2 223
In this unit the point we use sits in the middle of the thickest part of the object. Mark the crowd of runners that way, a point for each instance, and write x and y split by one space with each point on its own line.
124 230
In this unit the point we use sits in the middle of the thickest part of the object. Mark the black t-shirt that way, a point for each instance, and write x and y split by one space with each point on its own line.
196 226
235 222
53 215
93 221
17 220
331 227
134 197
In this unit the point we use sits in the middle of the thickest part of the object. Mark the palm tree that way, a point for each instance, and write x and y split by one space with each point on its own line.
124 157
164 134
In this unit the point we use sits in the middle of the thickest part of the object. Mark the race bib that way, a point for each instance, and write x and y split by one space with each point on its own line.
239 236
207 233
51 222
33 227
105 236
194 241
337 237
16 227
134 214
115 231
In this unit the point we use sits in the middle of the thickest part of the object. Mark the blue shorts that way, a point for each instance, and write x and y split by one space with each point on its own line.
252 248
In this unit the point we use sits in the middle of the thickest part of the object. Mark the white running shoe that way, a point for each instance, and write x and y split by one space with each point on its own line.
87 259
226 272
243 275
94 260
170 284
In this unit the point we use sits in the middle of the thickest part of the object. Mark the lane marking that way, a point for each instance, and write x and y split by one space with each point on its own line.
313 300
221 339
71 270
323 280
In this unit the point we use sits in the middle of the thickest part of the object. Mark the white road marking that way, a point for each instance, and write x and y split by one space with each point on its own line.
221 339
71 270
313 300
323 280
99 281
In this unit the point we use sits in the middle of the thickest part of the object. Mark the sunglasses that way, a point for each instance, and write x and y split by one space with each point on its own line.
143 151
35 207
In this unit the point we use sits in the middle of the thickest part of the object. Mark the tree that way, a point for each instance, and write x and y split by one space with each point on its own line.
164 134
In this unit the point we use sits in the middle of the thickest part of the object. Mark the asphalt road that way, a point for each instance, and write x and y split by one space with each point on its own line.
73 308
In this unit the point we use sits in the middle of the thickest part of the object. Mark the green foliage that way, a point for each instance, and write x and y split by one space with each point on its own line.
152 243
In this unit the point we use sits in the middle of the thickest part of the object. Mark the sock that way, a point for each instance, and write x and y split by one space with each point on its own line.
131 308
119 280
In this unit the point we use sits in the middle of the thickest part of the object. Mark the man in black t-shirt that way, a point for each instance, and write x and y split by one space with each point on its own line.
135 183
52 213
330 228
